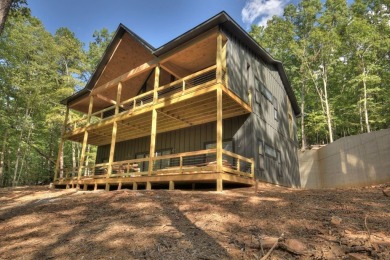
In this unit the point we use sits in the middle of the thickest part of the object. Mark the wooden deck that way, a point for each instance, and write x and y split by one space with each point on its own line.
190 167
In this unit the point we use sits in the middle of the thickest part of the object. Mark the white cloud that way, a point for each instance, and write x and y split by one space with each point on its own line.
262 10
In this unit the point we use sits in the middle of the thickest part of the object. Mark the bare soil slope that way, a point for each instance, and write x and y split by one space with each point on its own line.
38 223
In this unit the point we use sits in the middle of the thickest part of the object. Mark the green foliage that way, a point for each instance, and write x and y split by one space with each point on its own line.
37 71
338 50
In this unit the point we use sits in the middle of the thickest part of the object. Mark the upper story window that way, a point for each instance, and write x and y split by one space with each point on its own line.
275 109
264 90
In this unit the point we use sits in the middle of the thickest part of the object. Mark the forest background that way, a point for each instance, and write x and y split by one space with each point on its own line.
336 55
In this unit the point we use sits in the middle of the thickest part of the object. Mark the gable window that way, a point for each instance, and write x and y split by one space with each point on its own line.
275 102
270 151
264 90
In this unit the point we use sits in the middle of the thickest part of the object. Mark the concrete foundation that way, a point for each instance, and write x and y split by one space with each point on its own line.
352 161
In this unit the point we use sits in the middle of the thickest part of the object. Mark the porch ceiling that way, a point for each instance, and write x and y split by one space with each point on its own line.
195 111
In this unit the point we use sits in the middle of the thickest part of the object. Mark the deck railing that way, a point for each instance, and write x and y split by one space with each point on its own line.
202 161
188 84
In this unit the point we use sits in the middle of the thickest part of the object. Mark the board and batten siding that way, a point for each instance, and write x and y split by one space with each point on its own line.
183 140
243 69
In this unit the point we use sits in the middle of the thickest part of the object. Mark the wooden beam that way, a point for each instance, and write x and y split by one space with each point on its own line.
90 108
219 58
175 117
156 83
82 157
175 70
112 149
171 185
171 54
118 98
152 141
126 76
99 96
219 130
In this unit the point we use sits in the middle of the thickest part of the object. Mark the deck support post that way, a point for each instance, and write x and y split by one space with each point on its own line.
82 156
219 184
107 187
90 107
120 186
118 98
153 131
219 112
95 187
61 148
171 185
112 149
148 185
85 187
219 58
135 186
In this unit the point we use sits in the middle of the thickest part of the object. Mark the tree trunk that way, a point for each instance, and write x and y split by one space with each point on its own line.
360 115
5 5
2 157
303 117
365 101
328 114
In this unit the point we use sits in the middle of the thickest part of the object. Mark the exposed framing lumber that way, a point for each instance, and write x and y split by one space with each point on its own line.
175 117
175 70
82 156
112 149
153 133
90 108
126 76
118 98
171 54
104 98
219 58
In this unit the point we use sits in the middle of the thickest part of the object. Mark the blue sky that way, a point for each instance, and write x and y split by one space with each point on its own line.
156 21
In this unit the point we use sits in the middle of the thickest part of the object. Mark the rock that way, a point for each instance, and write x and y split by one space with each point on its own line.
356 256
268 242
336 220
295 246
386 192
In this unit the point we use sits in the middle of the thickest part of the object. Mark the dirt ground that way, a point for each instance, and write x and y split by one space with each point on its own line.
39 223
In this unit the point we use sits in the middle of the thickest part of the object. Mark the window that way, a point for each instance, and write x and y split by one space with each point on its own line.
290 126
275 109
264 90
261 147
160 164
270 151
226 145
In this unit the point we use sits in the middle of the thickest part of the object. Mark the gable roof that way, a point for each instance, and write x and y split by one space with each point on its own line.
221 19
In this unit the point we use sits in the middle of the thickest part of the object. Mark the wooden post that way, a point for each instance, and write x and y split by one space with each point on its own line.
219 58
219 130
252 168
135 186
148 185
85 187
156 83
120 186
95 187
107 187
112 149
171 185
219 184
118 98
152 141
154 120
61 146
82 157
90 107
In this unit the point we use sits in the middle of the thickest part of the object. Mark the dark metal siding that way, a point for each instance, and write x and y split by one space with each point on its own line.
262 124
183 140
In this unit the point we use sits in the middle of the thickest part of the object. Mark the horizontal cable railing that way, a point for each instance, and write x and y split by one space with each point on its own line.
198 80
202 161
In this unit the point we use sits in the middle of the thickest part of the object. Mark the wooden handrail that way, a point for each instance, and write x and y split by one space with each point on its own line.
170 156
237 156
187 77
137 97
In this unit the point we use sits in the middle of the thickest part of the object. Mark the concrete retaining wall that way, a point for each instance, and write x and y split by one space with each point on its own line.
348 162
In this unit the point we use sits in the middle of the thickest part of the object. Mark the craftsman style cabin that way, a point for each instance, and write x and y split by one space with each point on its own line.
210 106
